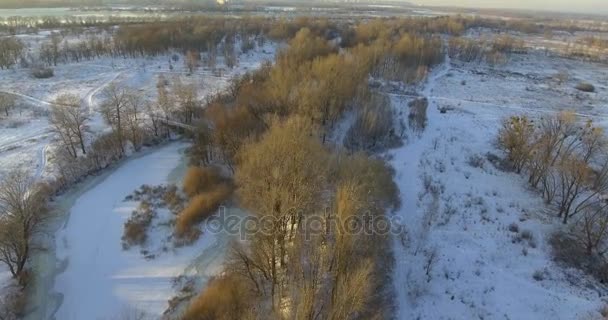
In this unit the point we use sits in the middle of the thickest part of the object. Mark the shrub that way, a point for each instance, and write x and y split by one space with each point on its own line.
513 227
604 311
417 116
585 87
12 303
135 228
223 298
199 179
568 251
201 206
538 275
476 161
373 127
172 199
42 72
527 235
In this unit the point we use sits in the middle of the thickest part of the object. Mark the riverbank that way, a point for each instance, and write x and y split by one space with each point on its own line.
43 298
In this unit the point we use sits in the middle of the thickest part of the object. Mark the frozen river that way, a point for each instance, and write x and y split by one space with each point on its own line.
88 275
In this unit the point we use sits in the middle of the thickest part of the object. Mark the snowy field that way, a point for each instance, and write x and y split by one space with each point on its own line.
26 138
459 210
69 271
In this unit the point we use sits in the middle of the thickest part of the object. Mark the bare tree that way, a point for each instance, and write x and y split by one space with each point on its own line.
187 100
417 116
192 60
113 108
164 102
7 102
591 230
515 137
61 126
135 104
68 119
24 210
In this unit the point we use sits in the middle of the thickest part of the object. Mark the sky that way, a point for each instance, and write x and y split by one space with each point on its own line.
588 6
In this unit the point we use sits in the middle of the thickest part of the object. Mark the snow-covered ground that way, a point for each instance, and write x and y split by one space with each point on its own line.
74 284
458 209
461 257
26 137
97 278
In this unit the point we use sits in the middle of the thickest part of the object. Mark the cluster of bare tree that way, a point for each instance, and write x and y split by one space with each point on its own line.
68 120
49 3
311 79
59 50
7 102
206 189
563 158
270 129
566 160
493 51
23 210
285 177
31 24
373 128
11 50
23 214
196 33
134 122
595 42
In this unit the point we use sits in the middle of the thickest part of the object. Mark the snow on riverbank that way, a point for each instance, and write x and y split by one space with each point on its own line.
99 279
462 257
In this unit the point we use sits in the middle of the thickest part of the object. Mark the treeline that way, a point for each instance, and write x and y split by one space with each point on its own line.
493 51
313 80
595 42
271 129
58 50
11 51
562 157
198 34
134 122
32 24
219 35
565 159
14 4
287 176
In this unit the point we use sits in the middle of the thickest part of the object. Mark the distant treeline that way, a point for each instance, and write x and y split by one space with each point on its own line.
15 4
12 4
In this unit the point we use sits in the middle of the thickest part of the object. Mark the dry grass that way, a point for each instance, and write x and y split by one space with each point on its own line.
199 180
224 298
135 229
201 206
417 116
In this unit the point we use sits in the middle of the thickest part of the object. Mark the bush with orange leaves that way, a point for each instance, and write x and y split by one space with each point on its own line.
224 298
201 206
199 179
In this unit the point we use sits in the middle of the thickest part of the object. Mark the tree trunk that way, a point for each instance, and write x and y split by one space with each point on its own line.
81 142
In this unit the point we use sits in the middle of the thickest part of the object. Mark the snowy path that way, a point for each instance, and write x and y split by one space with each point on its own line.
480 270
88 99
474 103
405 162
100 279
28 98
29 135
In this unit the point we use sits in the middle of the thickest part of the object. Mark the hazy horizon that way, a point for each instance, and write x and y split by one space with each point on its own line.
580 6
588 6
